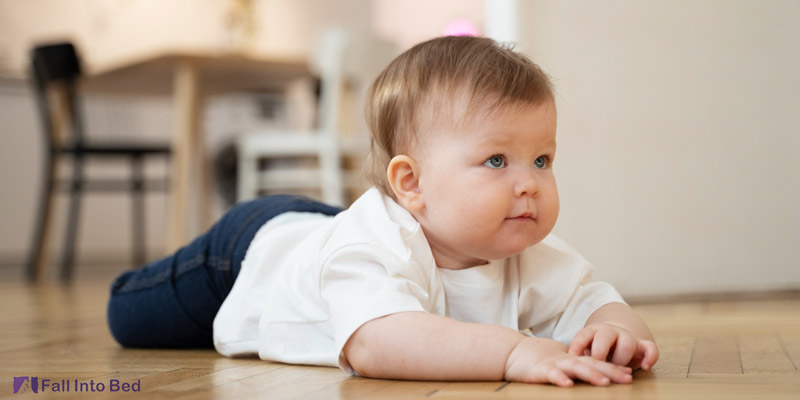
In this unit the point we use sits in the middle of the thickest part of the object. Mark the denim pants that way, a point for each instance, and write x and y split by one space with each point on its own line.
172 302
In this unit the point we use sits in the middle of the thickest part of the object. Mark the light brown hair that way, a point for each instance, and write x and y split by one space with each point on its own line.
415 88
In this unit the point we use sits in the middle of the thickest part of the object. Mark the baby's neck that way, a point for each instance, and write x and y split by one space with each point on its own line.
447 260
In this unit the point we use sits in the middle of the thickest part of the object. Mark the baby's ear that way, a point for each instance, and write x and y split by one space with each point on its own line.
403 176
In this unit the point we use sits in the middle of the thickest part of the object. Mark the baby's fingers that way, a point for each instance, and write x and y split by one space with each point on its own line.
617 373
604 339
582 341
624 350
577 369
557 377
650 351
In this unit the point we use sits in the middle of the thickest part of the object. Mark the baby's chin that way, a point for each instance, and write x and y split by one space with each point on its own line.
510 250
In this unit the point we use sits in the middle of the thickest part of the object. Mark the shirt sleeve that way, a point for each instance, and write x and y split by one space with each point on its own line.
588 297
360 283
557 294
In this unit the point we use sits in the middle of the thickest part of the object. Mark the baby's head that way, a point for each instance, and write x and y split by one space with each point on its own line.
442 81
463 137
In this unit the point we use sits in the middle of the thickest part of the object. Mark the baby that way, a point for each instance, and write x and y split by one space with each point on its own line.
444 270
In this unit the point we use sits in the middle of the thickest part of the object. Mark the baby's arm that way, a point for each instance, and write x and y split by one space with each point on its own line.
616 333
423 346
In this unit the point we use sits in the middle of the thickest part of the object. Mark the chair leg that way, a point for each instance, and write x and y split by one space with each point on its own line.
37 255
73 218
246 175
138 214
331 172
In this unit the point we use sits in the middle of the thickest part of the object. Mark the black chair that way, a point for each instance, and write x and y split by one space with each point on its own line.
56 72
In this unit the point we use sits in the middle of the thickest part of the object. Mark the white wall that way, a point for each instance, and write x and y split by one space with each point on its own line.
113 31
678 138
409 22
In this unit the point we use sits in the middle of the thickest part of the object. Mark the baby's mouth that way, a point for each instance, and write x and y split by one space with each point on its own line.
524 216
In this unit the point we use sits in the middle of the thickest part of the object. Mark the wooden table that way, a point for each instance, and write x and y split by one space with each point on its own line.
190 76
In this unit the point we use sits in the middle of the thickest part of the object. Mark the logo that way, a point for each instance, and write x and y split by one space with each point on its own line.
35 384
24 383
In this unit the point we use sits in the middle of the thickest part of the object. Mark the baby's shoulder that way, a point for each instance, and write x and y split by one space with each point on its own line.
377 221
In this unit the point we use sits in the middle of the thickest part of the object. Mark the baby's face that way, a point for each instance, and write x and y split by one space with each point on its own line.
488 185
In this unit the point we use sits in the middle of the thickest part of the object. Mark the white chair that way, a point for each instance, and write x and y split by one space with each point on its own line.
324 143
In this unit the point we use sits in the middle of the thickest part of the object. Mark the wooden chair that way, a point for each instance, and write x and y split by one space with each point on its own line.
56 72
325 143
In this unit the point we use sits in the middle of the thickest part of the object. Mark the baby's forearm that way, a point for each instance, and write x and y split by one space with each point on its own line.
621 315
423 346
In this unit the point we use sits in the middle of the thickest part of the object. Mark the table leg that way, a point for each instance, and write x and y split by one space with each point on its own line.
185 143
204 167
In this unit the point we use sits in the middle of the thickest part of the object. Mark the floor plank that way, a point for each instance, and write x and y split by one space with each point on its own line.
791 343
715 355
762 353
675 354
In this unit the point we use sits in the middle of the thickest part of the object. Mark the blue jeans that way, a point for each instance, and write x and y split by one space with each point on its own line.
172 302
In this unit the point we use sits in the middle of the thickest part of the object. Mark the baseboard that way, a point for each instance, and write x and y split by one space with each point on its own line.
701 297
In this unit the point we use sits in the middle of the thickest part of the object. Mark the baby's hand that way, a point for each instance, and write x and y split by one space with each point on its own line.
536 360
608 342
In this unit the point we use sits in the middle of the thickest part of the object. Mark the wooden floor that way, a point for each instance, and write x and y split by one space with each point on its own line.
744 349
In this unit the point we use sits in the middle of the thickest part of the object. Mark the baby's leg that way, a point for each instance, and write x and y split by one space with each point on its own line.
172 302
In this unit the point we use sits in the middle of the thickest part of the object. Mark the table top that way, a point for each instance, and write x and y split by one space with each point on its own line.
218 72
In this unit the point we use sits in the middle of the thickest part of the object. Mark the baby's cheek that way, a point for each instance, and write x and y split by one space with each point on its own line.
552 207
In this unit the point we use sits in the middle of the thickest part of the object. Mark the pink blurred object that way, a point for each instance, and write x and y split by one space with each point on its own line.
461 27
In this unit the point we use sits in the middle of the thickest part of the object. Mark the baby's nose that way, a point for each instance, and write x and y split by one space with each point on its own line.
527 185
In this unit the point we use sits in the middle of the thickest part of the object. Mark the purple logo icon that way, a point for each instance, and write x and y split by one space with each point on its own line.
23 383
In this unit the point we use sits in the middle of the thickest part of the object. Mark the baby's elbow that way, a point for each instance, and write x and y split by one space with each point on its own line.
360 367
359 359
372 350
364 355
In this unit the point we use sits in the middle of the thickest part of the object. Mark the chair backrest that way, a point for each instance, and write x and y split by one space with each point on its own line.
56 62
55 70
327 60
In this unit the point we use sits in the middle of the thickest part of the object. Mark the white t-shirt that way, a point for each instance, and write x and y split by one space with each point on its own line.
308 281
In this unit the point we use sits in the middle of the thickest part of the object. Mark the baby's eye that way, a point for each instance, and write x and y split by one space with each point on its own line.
541 162
495 161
